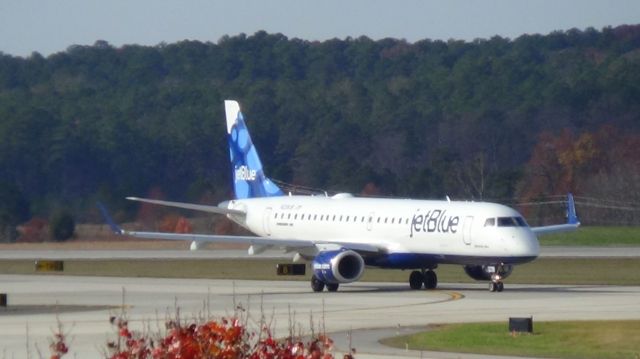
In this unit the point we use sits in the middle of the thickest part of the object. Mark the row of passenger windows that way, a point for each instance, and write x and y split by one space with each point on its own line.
339 218
506 222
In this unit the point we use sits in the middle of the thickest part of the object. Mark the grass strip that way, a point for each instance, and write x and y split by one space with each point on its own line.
572 339
588 271
595 236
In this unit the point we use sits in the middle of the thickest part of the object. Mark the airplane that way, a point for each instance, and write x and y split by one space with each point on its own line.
342 234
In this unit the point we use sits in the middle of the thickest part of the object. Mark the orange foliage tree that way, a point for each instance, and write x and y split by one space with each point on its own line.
599 164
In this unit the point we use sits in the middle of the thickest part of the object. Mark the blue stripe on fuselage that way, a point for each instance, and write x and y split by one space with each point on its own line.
425 260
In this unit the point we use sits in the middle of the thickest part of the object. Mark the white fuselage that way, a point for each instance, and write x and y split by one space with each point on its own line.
439 231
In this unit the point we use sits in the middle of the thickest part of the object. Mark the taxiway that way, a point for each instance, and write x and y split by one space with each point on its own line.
37 303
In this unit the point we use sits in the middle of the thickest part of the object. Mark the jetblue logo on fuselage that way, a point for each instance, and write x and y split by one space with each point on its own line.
436 220
245 174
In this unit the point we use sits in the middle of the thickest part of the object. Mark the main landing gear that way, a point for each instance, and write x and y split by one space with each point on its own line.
318 286
428 278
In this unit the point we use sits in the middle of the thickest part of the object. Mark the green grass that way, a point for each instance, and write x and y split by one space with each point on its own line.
587 271
613 271
576 339
595 236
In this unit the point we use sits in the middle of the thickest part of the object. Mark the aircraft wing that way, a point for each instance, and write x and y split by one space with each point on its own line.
558 228
251 240
290 244
572 221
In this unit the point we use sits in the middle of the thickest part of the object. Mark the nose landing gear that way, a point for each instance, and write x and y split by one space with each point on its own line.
496 284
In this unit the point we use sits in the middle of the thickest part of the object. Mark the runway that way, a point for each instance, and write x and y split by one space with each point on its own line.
84 308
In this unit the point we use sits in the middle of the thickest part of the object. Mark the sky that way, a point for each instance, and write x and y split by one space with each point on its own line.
49 26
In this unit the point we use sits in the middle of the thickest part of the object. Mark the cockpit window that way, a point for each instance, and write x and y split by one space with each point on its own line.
506 222
490 222
521 222
511 222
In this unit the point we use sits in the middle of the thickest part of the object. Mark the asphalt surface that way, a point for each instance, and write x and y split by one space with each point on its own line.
359 313
357 316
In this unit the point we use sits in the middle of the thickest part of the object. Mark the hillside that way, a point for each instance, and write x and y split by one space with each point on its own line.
511 120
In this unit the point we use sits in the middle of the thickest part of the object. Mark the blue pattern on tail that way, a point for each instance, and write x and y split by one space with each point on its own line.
248 176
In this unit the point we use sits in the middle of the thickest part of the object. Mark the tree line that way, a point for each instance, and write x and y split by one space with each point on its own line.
388 117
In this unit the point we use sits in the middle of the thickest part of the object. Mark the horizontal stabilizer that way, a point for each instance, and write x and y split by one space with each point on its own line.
192 206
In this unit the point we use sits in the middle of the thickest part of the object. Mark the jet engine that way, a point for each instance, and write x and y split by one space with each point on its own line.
480 272
341 266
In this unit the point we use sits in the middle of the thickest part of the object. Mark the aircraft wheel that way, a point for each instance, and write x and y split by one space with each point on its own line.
316 284
416 279
332 287
492 287
500 286
430 280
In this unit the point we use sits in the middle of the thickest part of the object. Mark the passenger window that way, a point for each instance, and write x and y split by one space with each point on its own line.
296 216
315 217
378 219
289 216
347 220
490 222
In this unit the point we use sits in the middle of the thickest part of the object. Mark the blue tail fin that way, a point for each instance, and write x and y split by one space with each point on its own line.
249 180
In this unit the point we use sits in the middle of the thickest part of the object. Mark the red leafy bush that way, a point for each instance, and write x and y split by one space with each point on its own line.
226 338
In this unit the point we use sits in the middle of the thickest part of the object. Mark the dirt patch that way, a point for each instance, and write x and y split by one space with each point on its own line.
51 309
125 244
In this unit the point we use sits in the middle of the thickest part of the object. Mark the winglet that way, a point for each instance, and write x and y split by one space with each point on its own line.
572 217
107 218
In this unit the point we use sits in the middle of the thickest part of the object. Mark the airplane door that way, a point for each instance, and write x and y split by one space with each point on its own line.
466 230
370 221
266 218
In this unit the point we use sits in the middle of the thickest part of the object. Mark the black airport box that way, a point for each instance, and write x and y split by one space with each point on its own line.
521 325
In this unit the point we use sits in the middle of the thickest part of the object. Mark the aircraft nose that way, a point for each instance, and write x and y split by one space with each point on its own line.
529 246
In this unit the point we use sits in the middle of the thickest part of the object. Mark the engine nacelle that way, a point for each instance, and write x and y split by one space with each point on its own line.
342 266
485 272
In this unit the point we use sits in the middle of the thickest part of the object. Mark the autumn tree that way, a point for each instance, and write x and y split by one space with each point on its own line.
604 164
